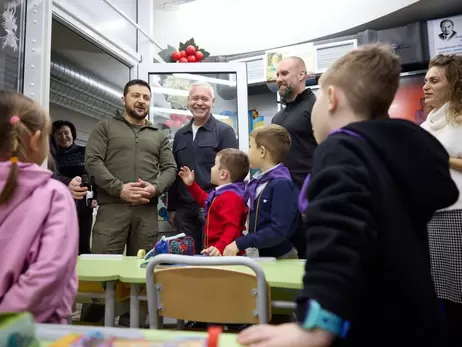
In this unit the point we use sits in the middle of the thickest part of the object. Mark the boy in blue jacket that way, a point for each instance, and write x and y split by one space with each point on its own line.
272 197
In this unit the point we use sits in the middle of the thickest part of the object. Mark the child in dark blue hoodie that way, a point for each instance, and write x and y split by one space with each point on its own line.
272 197
375 184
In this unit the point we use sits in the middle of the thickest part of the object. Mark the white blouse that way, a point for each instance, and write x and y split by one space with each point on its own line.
450 136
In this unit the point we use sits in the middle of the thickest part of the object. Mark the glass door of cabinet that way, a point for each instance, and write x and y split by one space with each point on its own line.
170 84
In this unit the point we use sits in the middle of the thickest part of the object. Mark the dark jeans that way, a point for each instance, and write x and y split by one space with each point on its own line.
85 216
191 221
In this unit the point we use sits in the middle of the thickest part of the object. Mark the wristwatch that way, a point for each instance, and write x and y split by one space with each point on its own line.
317 317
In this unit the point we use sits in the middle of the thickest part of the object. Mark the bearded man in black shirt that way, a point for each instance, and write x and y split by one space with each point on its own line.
295 117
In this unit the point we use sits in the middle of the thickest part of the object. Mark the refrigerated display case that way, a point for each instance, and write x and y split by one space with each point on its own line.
170 84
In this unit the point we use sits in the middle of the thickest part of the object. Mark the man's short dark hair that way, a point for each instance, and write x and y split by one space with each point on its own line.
446 20
136 82
61 123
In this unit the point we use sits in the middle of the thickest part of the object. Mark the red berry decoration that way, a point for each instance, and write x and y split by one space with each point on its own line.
190 50
187 52
199 56
176 56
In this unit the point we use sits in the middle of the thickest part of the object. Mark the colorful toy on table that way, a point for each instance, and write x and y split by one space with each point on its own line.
17 330
99 339
179 244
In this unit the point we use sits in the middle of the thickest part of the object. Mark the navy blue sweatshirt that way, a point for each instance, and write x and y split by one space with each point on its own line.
273 220
370 199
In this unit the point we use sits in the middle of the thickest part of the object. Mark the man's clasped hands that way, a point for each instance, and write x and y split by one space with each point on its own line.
136 193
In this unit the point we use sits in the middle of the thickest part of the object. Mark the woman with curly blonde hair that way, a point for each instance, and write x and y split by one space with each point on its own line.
443 93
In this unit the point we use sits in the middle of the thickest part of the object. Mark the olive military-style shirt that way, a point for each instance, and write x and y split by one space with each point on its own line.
118 152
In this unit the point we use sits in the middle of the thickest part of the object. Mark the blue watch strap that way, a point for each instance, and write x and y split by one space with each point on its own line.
316 317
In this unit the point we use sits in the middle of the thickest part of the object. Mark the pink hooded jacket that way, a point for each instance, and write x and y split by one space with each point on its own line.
38 246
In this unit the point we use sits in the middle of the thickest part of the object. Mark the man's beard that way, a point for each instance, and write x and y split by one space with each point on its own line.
287 93
132 112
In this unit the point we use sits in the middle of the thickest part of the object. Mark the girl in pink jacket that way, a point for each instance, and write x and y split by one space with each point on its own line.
38 221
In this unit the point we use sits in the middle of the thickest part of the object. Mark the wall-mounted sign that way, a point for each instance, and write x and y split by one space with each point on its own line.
445 35
273 57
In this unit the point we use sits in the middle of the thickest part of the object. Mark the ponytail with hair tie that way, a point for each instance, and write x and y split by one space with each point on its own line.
14 153
12 180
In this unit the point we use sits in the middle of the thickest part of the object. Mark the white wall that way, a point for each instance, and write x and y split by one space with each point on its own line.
265 104
105 20
83 124
237 26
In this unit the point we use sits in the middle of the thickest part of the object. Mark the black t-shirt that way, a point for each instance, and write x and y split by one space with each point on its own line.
296 119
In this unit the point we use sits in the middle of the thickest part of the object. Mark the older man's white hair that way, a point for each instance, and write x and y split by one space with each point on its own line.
202 84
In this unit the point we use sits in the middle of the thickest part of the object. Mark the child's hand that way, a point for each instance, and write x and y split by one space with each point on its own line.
231 249
186 175
212 251
289 334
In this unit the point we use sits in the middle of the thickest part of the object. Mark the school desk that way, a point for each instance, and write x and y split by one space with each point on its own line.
49 333
283 276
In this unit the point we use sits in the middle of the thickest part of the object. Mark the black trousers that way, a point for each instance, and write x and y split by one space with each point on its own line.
453 319
85 216
191 221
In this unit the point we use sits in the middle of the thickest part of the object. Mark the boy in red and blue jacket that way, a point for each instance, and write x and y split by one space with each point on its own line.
225 210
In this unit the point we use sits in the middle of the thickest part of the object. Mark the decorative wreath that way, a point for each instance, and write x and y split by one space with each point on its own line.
188 52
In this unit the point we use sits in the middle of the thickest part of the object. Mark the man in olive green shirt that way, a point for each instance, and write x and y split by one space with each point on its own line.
132 164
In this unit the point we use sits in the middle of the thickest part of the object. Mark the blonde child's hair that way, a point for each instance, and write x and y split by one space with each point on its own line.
369 77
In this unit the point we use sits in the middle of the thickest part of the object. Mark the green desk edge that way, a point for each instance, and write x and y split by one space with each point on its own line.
286 274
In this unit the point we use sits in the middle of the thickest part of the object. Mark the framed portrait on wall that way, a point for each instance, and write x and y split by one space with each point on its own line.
272 58
445 35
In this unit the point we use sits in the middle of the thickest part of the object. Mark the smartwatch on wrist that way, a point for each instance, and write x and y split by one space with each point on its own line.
317 317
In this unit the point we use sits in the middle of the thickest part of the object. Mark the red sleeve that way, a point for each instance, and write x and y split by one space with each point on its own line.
232 212
198 194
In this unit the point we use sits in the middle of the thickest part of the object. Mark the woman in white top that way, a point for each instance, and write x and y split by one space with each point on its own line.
443 93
